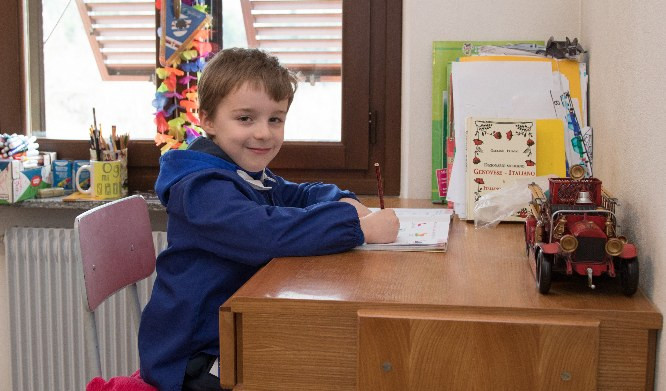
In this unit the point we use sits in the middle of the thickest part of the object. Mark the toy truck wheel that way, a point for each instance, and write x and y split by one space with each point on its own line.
629 276
544 271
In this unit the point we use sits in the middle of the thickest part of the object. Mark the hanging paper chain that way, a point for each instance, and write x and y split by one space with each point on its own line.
176 100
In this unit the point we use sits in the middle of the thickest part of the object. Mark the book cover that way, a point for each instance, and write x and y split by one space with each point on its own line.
178 32
498 152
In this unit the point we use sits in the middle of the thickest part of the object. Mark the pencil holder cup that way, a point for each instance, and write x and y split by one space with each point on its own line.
105 180
119 155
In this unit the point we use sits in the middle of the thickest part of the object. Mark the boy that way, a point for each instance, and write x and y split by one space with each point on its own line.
229 215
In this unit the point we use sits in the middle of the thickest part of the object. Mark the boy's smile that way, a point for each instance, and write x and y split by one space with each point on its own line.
248 125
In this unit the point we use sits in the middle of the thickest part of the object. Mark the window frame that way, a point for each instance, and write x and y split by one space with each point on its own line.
371 120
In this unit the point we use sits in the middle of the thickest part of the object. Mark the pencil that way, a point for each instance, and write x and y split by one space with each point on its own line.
98 151
380 190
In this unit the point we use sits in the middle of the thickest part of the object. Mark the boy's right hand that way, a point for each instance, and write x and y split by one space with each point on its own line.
380 226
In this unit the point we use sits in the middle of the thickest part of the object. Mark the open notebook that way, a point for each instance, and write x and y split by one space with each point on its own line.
420 230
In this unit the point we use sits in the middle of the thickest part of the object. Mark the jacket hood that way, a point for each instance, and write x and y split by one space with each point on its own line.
176 164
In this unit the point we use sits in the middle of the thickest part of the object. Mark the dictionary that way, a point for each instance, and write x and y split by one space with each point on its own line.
499 150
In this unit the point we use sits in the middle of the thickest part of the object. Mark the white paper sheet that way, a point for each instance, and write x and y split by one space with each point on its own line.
425 229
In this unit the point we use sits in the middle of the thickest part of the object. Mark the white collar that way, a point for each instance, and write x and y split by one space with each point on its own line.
256 183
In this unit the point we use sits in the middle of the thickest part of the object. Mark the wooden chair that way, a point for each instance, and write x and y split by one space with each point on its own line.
115 248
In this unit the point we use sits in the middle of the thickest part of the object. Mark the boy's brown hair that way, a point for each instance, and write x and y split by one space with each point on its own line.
232 67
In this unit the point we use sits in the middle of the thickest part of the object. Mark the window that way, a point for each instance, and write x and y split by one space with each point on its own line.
307 38
110 47
370 71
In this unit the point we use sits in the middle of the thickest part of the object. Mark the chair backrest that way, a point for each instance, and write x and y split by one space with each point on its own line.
116 250
116 247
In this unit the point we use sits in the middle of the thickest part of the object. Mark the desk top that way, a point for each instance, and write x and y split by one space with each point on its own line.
485 270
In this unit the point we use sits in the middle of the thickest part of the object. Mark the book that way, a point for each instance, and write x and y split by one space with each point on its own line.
498 152
423 229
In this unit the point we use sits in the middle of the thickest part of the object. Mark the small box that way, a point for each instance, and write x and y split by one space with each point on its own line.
47 158
27 183
6 192
84 178
62 175
18 183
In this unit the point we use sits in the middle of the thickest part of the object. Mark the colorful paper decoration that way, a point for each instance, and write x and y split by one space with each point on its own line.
183 53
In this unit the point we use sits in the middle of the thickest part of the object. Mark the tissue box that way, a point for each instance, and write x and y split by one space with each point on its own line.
18 184
29 181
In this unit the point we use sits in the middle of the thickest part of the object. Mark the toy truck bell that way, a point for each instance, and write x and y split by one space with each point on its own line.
584 198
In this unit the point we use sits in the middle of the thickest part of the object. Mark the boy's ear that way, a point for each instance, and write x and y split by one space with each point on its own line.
206 122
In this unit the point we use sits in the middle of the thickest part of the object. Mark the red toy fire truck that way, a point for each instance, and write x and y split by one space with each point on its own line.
572 229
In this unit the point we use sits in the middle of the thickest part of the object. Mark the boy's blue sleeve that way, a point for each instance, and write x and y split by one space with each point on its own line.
219 218
305 194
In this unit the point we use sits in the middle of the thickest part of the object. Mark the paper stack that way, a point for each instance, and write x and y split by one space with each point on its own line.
496 95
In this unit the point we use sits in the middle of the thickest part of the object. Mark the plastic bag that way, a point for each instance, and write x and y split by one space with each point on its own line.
498 205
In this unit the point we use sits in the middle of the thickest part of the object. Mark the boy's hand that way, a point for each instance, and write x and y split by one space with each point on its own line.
380 226
361 209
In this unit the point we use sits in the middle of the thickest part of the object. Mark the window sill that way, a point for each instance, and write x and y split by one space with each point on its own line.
154 204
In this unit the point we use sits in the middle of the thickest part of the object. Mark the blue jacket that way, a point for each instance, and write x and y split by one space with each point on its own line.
221 230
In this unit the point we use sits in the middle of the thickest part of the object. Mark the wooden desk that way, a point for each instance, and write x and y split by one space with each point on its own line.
469 319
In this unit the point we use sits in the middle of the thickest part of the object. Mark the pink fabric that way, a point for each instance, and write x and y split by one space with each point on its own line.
120 383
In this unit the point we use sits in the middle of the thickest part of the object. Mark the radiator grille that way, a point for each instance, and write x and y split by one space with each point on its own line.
46 314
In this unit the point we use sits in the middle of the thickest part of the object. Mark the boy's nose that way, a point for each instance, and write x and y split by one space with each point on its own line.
262 131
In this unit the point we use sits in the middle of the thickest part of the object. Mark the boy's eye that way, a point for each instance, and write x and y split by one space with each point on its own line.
244 118
276 119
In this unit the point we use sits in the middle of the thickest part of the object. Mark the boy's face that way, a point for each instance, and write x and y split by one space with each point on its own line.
249 126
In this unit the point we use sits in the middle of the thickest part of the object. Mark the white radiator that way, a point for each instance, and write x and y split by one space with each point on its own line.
46 314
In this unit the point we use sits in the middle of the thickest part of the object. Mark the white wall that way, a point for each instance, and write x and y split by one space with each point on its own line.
425 21
626 42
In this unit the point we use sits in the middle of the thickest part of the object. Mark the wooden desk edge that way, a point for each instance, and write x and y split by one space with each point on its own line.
228 348
644 319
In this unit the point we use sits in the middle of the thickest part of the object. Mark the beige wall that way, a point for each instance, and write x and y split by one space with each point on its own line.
628 112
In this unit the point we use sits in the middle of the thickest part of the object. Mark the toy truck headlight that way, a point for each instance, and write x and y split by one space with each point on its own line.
614 247
568 243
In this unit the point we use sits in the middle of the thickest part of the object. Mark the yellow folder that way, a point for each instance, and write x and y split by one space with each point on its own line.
550 155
